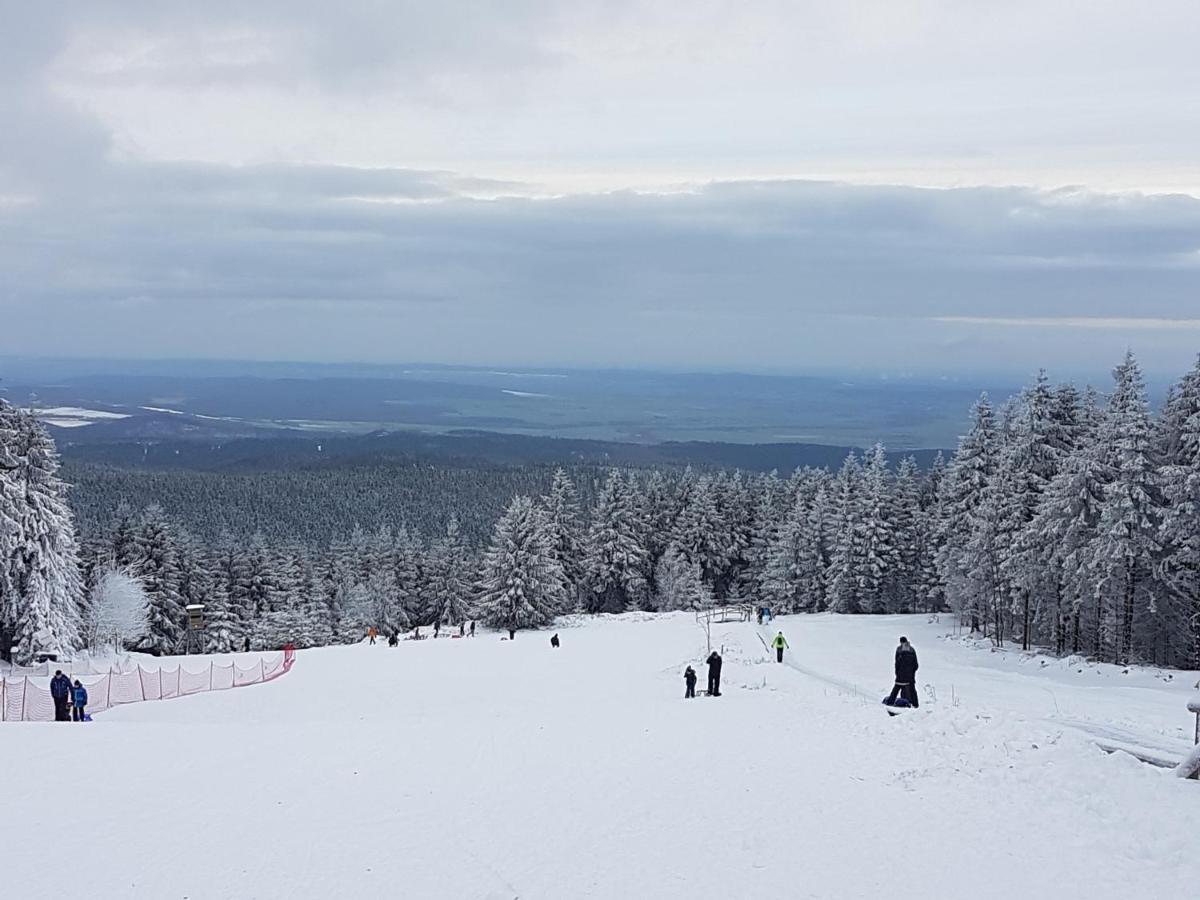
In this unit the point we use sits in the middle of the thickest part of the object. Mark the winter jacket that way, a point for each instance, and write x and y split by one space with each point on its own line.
689 675
906 664
60 687
79 696
780 642
714 661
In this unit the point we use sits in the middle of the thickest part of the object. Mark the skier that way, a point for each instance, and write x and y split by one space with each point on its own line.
780 644
371 634
60 692
689 678
78 700
472 629
906 675
714 674
554 641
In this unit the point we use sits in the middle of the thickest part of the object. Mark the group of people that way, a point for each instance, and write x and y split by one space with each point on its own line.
70 700
904 692
394 637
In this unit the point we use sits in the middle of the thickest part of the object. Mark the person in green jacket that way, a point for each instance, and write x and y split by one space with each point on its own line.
780 644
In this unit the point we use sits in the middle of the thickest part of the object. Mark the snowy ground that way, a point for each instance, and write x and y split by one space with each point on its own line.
488 769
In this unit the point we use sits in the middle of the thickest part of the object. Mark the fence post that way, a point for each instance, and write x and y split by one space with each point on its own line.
3 700
160 682
108 695
141 683
24 694
210 674
262 672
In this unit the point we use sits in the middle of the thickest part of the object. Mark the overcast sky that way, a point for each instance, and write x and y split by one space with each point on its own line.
902 186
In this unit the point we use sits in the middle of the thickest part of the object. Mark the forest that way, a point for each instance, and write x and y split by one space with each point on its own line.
1065 520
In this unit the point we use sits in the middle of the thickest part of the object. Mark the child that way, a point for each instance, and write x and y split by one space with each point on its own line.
79 701
689 678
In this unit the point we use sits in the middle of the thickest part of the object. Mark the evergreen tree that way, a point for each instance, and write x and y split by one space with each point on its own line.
158 570
522 584
615 559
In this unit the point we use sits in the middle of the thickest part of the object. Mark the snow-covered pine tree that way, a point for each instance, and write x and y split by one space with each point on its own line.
1179 532
904 583
847 557
1126 544
963 492
614 560
881 555
448 575
158 570
561 504
522 584
678 583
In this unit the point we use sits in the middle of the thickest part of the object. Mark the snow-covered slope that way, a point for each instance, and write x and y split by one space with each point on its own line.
488 769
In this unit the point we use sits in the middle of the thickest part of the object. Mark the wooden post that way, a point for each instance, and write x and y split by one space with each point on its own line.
210 674
141 682
24 694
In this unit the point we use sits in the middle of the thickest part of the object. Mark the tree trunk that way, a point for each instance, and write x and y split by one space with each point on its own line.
1126 642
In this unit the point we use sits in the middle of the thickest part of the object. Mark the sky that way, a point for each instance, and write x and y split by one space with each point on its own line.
907 186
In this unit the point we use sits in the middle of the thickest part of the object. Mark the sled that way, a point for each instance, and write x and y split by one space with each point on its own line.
899 705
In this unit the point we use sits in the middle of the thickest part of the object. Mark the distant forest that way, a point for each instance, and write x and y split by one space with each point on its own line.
1063 520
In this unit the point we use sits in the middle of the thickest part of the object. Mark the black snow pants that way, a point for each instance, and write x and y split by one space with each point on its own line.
691 690
77 713
61 714
778 654
908 691
714 682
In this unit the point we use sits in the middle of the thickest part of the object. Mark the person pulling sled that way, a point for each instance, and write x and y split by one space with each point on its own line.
904 692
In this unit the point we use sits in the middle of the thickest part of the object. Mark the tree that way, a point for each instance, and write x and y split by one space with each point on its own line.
522 584
562 516
678 583
158 571
614 560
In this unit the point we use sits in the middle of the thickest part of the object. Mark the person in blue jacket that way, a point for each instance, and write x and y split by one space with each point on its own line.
78 700
60 693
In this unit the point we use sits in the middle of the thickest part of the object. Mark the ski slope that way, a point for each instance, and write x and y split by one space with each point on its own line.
488 769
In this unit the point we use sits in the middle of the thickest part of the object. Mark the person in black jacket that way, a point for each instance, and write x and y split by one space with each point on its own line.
714 674
906 674
60 692
689 679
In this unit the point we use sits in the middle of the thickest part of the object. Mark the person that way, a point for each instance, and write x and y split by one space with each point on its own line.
780 644
472 629
512 633
906 675
417 633
246 645
60 693
393 640
371 634
554 641
462 629
689 679
437 626
760 612
714 674
78 701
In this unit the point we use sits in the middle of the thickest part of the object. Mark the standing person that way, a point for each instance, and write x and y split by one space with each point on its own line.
714 674
512 633
906 675
79 701
60 693
371 634
780 644
462 629
437 626
393 640
554 641
689 679
472 629
246 645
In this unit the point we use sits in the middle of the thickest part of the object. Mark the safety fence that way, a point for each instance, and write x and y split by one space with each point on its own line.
24 700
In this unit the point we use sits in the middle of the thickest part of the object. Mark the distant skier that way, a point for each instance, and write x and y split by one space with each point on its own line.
512 633
393 640
906 675
60 693
554 641
78 701
714 674
472 629
780 644
689 679
371 632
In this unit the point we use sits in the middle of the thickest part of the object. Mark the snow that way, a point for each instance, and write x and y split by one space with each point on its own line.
524 394
488 769
74 416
